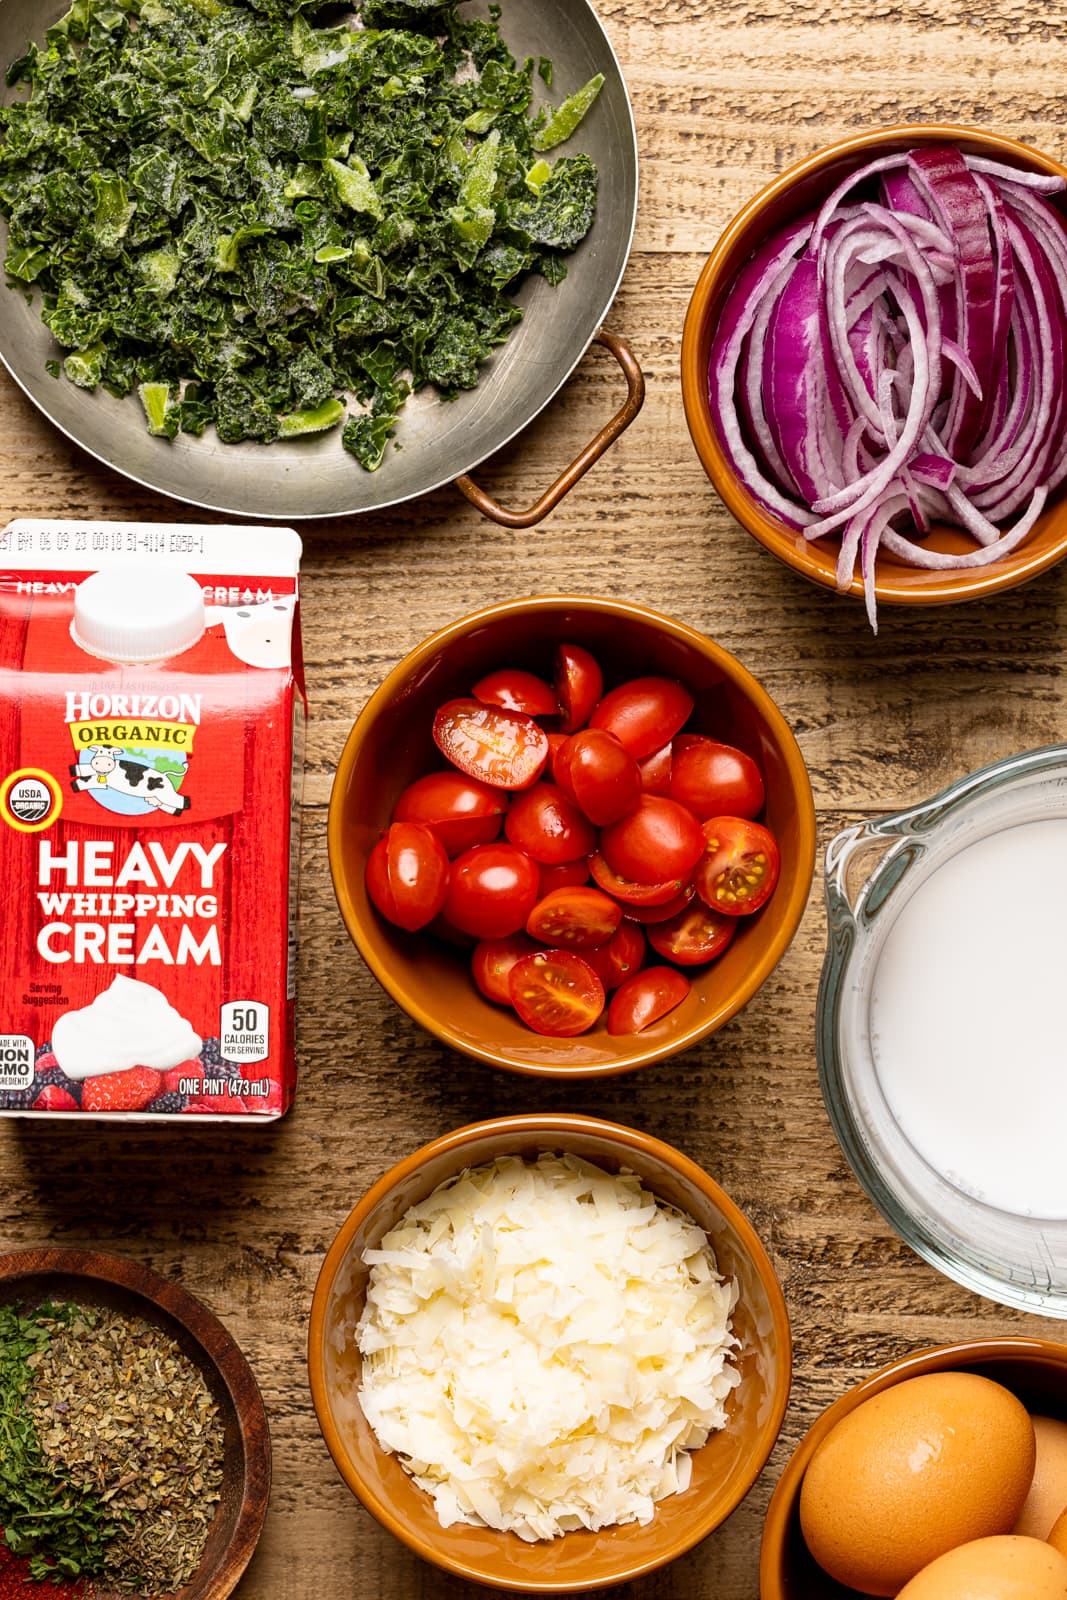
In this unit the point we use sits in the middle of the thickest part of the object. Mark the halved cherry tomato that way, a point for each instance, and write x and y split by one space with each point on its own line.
461 811
596 771
549 825
739 868
568 875
695 935
646 997
579 684
636 894
577 919
620 958
517 690
492 890
651 914
657 840
644 714
505 748
493 960
407 875
713 779
556 992
655 771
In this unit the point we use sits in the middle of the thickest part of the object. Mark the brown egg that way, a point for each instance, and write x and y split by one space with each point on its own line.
1048 1491
1058 1534
1004 1568
928 1464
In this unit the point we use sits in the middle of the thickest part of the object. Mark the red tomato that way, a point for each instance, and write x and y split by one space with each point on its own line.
579 685
658 839
633 894
646 997
493 960
650 914
505 748
714 780
556 992
622 956
595 770
492 890
739 868
566 876
695 935
644 714
655 772
516 690
459 810
407 875
577 919
549 825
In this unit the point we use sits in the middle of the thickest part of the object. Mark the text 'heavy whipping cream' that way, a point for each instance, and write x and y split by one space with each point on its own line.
151 702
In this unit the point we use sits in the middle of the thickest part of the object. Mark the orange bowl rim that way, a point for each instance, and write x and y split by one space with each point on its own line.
944 588
789 914
540 1127
931 1358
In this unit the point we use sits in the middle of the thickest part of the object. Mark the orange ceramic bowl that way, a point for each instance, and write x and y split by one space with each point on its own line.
1033 1369
798 190
391 744
723 1470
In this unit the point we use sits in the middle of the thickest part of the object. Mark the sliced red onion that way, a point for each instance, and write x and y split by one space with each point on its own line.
919 556
898 359
950 189
1039 182
937 472
766 273
959 358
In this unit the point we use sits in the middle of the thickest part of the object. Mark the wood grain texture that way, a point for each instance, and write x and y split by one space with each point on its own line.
726 93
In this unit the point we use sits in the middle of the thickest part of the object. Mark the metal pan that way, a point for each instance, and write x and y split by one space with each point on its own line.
439 443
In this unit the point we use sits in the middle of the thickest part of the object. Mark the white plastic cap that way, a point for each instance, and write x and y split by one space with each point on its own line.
138 612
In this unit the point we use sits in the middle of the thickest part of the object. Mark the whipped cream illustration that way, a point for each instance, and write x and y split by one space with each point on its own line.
129 1024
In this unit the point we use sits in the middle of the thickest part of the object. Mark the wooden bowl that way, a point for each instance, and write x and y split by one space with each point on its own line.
723 1470
798 190
391 744
1033 1369
91 1278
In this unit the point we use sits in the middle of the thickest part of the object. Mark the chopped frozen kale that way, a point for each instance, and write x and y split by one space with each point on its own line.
258 222
561 214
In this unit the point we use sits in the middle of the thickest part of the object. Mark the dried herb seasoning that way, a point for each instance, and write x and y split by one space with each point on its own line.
124 1414
61 1528
111 1449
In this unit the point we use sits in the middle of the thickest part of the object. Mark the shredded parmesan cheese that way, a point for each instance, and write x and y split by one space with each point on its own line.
543 1343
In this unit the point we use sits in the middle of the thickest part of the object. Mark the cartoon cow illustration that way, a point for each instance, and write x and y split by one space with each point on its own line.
104 767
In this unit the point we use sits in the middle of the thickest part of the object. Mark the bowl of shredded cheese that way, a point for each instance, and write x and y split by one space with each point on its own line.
549 1353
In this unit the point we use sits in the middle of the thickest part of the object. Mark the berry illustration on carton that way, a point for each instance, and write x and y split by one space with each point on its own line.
151 701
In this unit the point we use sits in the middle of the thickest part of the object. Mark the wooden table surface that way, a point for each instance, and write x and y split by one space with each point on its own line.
726 93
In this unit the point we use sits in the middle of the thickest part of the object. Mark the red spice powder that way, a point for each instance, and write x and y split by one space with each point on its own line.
16 1583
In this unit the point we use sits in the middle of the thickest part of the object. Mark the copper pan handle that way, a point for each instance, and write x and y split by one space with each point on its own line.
635 395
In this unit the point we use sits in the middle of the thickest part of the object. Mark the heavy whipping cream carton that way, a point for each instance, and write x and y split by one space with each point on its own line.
151 714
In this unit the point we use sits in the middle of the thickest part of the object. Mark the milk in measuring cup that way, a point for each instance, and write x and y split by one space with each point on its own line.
151 717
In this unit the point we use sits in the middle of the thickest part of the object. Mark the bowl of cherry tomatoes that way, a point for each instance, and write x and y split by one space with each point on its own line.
571 836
